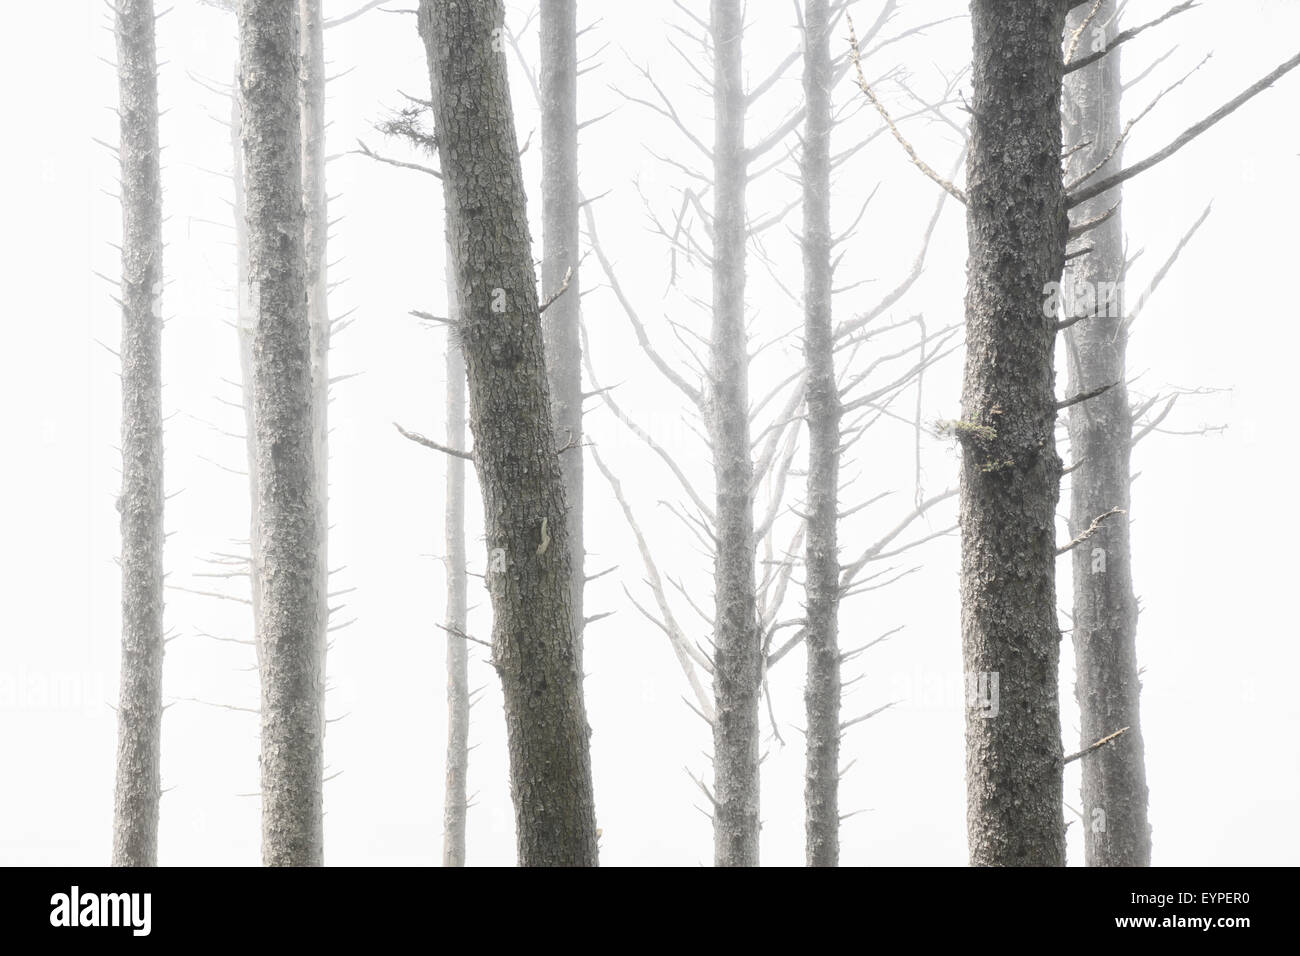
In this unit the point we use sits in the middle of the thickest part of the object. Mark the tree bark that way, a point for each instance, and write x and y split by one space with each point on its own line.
737 658
456 797
315 241
139 714
244 325
559 102
822 566
1010 479
534 646
291 628
1116 830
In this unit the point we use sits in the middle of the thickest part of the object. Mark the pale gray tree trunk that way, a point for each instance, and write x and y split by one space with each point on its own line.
456 796
1010 480
559 103
738 657
139 713
244 325
291 626
315 239
822 565
534 644
1116 830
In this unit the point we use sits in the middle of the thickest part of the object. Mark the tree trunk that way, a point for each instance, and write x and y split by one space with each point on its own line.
822 566
244 326
315 239
291 628
1010 480
456 798
139 713
1116 831
559 102
534 647
737 659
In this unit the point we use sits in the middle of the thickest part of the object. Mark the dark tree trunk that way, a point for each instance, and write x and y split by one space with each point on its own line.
456 796
1010 480
1116 831
738 657
291 625
139 713
822 567
559 96
534 646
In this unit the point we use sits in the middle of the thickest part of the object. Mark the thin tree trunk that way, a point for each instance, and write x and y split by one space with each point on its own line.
738 657
559 102
822 568
244 325
1116 831
1010 480
291 629
139 714
454 804
315 239
534 646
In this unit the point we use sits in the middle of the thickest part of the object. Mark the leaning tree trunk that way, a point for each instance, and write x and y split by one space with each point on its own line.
822 566
139 713
315 229
738 657
1010 479
291 626
1116 831
534 645
455 803
559 101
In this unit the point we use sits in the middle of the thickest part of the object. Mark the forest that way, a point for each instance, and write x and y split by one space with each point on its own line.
559 433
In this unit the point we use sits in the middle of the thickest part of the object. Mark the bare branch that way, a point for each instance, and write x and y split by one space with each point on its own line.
919 163
1110 182
430 443
1097 746
1124 35
1092 529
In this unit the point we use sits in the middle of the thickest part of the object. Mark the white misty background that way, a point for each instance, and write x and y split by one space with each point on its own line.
1212 534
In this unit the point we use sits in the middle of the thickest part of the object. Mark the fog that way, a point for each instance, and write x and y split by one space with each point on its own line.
1212 542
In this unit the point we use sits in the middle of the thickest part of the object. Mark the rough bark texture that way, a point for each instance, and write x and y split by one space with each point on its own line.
456 797
534 646
315 239
737 658
244 325
291 628
559 102
139 713
1010 480
822 565
1105 609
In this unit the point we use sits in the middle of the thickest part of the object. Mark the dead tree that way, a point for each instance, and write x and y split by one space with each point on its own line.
315 239
737 662
140 504
558 97
292 623
1097 319
1018 229
1104 628
1017 226
534 645
456 798
749 569
407 124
